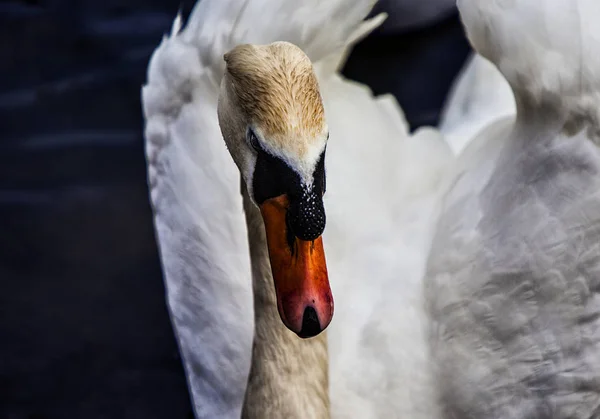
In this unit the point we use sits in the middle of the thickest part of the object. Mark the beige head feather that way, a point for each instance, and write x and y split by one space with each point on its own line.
277 90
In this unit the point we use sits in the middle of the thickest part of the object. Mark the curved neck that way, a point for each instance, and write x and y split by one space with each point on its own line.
289 376
551 115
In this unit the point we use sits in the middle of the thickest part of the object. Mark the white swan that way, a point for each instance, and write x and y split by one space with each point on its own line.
382 187
514 272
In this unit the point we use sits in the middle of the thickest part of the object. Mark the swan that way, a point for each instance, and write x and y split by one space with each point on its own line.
382 194
512 278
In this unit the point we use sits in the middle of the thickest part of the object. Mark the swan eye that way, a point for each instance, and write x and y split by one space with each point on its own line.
253 140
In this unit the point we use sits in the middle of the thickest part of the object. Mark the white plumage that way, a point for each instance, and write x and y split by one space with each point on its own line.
194 189
381 200
382 190
480 96
513 275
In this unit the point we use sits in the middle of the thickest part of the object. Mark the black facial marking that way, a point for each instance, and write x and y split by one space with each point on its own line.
272 177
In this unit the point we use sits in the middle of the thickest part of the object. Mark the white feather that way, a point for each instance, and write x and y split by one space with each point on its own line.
194 185
480 96
381 202
194 189
513 275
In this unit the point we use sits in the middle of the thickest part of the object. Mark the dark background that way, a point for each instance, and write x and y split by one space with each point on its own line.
84 329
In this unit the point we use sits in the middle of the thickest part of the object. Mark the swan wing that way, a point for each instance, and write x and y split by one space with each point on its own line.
383 186
194 191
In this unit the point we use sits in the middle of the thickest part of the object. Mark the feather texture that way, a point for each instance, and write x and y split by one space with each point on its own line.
513 276
194 185
480 96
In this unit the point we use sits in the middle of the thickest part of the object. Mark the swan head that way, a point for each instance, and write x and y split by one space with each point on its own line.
273 122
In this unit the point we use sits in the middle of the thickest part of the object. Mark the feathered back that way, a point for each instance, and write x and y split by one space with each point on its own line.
194 184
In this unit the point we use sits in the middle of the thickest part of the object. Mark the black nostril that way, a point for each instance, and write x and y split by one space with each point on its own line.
310 323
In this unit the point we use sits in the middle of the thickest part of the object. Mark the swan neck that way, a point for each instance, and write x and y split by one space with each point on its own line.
288 376
552 116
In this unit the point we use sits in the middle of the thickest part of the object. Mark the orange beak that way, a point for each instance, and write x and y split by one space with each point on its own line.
304 297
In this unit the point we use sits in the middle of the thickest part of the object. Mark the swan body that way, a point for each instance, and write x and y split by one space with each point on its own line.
382 193
380 222
513 275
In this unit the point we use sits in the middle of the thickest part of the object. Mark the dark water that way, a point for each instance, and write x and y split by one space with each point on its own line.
417 67
84 330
